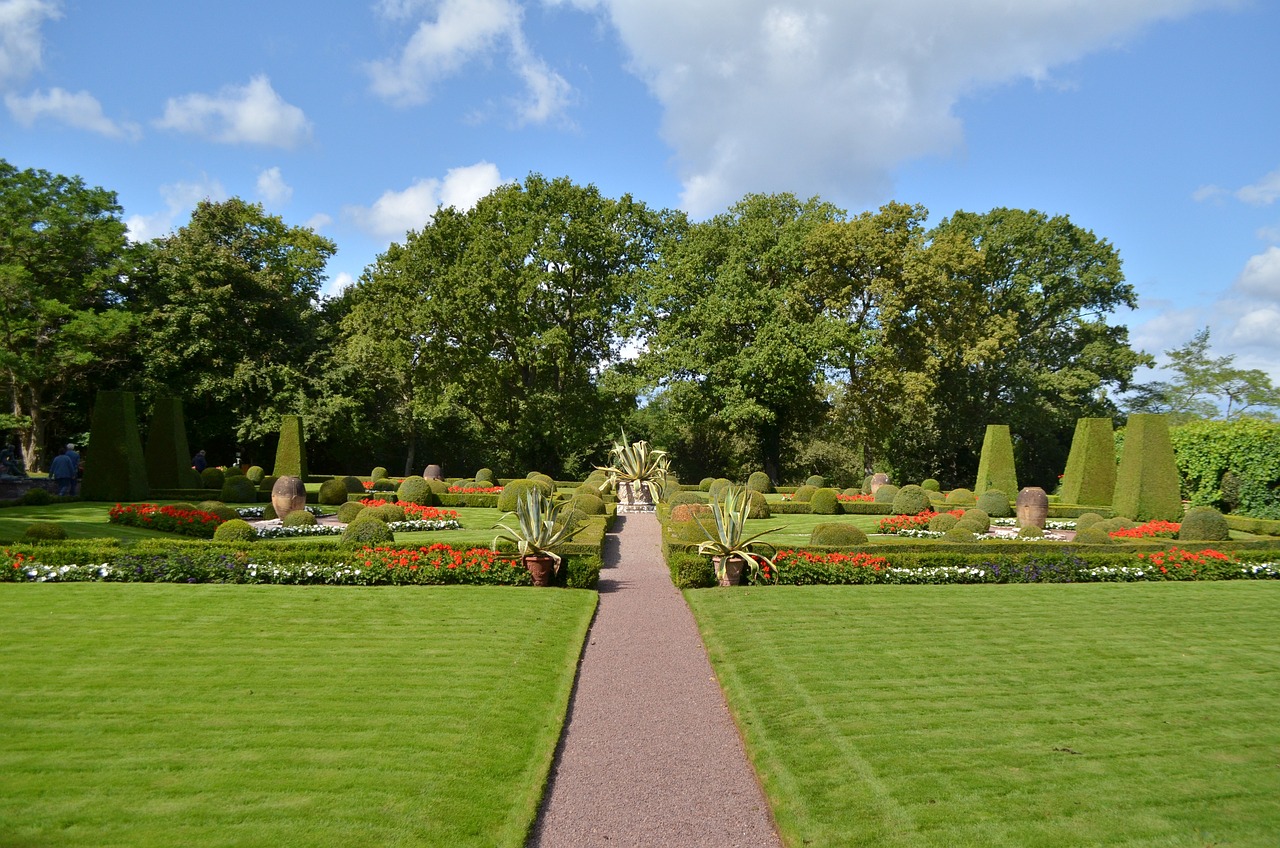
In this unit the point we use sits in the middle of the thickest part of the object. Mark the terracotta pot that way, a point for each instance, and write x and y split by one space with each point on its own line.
433 472
287 495
878 480
1033 507
733 571
542 568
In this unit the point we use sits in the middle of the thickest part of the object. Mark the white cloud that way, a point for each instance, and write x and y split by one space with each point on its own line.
1261 277
397 212
180 199
80 110
338 283
319 221
1262 193
21 45
272 188
249 114
815 95
1257 326
463 31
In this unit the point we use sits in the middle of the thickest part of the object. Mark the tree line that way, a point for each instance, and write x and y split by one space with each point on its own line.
521 334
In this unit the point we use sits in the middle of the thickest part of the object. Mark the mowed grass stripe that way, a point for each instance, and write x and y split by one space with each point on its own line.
251 715
1135 715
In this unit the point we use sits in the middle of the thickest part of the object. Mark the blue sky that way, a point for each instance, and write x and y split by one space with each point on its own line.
1154 123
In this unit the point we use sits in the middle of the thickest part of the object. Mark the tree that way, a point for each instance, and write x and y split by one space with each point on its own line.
728 333
61 245
230 318
1205 386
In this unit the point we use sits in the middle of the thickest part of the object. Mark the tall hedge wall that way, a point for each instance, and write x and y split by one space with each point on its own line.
1233 465
114 466
291 454
168 454
1147 480
1090 475
995 468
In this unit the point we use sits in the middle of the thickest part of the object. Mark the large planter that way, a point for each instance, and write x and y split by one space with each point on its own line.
433 472
542 568
878 480
288 495
634 497
734 568
1033 507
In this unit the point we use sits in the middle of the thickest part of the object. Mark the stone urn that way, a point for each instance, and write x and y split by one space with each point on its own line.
542 568
1033 507
288 495
878 480
634 497
433 472
731 573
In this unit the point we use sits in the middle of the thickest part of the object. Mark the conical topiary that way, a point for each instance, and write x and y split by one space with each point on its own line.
291 454
114 466
168 454
995 468
1147 486
1090 475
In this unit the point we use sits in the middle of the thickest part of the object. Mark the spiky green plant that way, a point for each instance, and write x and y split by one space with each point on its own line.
637 464
730 539
538 530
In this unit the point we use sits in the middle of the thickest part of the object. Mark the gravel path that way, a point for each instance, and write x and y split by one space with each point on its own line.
650 756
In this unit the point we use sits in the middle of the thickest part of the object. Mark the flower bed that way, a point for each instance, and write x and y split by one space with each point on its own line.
418 511
894 525
1150 530
856 498
475 490
167 519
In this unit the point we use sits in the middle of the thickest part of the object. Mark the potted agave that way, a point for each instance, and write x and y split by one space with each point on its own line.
538 532
638 474
733 552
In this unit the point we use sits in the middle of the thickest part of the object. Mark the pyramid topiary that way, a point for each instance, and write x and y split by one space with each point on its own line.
291 454
1147 485
115 468
1090 475
995 467
168 454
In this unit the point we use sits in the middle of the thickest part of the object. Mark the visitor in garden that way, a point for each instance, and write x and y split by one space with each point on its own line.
74 456
198 462
63 471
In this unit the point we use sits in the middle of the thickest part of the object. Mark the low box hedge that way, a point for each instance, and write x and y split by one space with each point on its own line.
1256 526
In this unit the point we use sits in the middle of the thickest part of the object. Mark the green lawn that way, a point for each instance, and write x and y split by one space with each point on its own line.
1063 715
159 715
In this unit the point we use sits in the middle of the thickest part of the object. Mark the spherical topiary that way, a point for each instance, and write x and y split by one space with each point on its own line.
973 527
911 500
960 533
353 484
182 506
759 507
349 511
268 511
438 487
513 493
759 482
299 518
385 484
1204 524
995 502
1095 535
37 497
588 489
690 512
931 485
960 497
415 490
212 478
705 483
716 492
219 509
588 504
942 522
232 471
825 502
44 531
886 493
687 498
1084 522
1030 531
255 474
851 491
978 516
690 531
817 481
1119 522
267 482
803 494
367 529
235 530
238 489
837 534
570 517
866 484
387 512
333 492
485 476
545 483
378 472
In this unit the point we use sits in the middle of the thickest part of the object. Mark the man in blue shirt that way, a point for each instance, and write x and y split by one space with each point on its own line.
63 470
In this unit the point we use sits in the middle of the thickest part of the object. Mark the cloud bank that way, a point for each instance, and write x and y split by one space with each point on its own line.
80 110
248 114
21 44
397 212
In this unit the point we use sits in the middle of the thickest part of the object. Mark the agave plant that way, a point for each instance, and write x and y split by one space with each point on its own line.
539 526
729 539
637 464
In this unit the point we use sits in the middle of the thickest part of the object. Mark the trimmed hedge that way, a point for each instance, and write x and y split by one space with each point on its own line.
167 453
1090 475
1147 486
291 454
115 468
995 466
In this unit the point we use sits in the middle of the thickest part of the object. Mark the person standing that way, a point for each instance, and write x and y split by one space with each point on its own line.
63 471
75 461
198 462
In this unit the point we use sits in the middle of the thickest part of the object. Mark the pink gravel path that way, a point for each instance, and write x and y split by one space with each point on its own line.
650 755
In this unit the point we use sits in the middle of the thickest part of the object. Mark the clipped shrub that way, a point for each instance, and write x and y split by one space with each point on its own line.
255 474
825 502
44 531
960 533
961 497
219 509
235 530
167 454
485 476
353 484
931 485
116 469
716 492
513 493
291 455
269 511
687 498
1089 519
687 512
572 518
759 482
37 497
1147 485
1030 531
866 483
1118 523
942 522
299 518
1090 475
817 481
268 482
995 503
238 489
1095 535
1204 524
852 490
974 527
349 511
367 529
232 471
415 490
438 487
545 483
911 500
212 478
705 483
887 493
995 466
333 492
385 484
378 472
387 512
978 516
586 489
837 534
588 504
803 494
759 507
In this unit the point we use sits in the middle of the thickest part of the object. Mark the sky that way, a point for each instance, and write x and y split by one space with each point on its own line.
1155 124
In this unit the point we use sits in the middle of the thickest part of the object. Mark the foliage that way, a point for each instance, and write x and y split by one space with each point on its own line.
837 534
255 474
726 537
759 482
587 504
1093 535
415 490
1204 524
1147 484
367 529
886 494
637 464
996 467
817 481
349 511
1204 386
1087 520
299 518
212 478
942 522
1090 474
825 502
333 492
238 489
759 508
167 452
911 500
995 503
978 515
115 468
37 497
931 485
44 531
1234 465
514 492
291 450
961 496
235 530
541 527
